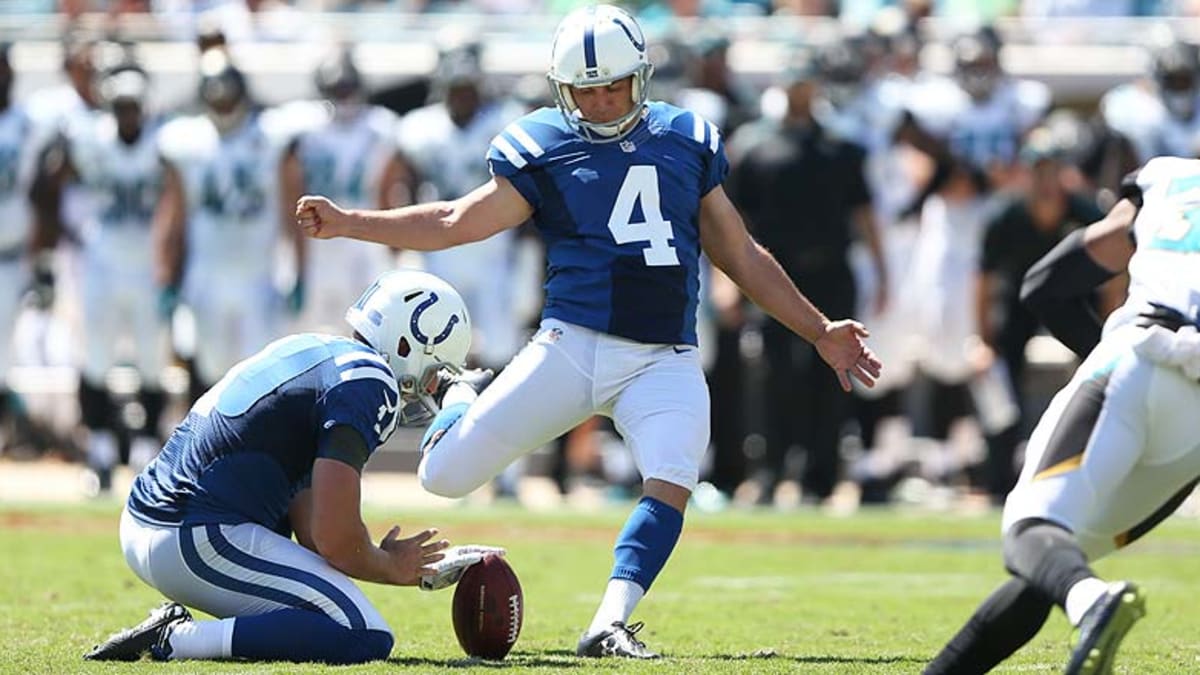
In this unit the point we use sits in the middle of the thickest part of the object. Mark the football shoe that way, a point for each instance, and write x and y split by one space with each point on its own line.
1104 626
619 640
132 643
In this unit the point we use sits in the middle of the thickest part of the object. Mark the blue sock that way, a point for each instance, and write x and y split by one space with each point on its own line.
304 635
646 542
445 419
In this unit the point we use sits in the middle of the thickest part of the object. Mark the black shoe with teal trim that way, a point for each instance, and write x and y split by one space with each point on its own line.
131 644
619 640
1104 626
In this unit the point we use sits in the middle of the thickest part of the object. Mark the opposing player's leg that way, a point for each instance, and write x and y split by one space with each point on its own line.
1055 494
97 412
545 391
149 334
1083 455
663 414
274 599
1009 618
11 275
96 406
212 342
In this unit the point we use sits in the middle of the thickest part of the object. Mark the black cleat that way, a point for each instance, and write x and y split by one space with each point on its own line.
132 643
619 640
1103 627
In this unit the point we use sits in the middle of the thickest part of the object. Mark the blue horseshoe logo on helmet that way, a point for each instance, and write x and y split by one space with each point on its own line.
629 32
415 328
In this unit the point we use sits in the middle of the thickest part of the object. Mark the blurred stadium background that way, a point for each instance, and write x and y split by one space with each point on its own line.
983 132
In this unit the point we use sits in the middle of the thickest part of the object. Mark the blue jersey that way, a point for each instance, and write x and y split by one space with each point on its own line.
621 221
248 445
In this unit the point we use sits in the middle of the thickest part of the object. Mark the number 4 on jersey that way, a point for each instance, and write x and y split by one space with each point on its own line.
641 184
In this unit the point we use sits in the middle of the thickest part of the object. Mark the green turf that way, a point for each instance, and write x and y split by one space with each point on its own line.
745 592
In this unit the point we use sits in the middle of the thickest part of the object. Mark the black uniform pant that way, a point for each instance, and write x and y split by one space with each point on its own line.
728 415
805 404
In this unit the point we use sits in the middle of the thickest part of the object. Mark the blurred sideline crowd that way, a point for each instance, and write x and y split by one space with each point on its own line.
282 13
146 251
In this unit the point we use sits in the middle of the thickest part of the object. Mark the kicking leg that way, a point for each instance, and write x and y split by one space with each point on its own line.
541 394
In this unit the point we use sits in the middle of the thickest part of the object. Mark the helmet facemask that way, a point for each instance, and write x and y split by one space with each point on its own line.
606 132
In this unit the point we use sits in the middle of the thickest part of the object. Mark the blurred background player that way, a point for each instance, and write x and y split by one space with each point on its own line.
971 127
354 156
55 110
1161 116
1025 229
982 114
713 89
998 109
803 193
20 147
445 141
277 449
113 159
219 219
497 277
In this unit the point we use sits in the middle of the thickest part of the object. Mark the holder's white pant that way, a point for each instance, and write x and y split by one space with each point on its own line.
241 570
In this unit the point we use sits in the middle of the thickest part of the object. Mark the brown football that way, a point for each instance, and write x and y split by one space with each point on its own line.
488 609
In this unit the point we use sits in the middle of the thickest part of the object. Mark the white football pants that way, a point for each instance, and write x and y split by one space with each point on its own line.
241 570
338 271
1115 451
117 304
13 276
235 317
655 394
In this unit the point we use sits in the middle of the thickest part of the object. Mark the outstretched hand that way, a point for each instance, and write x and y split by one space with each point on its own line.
843 348
413 557
319 217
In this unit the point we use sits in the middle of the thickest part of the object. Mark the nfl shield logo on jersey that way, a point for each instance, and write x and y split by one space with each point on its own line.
628 146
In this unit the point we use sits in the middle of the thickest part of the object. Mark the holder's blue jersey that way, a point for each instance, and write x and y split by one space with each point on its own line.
248 445
621 221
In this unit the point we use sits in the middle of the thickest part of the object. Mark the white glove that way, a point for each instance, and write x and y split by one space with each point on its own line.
1175 349
455 563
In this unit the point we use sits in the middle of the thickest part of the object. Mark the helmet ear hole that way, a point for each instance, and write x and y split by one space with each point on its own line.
402 347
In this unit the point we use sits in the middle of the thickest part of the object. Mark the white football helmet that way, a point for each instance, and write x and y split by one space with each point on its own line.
594 47
420 325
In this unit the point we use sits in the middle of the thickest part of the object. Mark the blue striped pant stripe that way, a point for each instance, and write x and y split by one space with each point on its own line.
227 550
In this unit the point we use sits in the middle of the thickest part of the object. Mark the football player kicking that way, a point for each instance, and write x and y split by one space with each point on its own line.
1118 449
277 447
625 193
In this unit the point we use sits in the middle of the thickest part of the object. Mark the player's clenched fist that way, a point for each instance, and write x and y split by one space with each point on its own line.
318 216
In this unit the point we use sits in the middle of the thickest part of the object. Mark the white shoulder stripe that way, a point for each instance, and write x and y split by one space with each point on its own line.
525 139
697 128
714 136
343 359
369 373
510 153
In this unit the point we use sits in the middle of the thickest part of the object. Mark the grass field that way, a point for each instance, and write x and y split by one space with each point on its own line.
746 592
